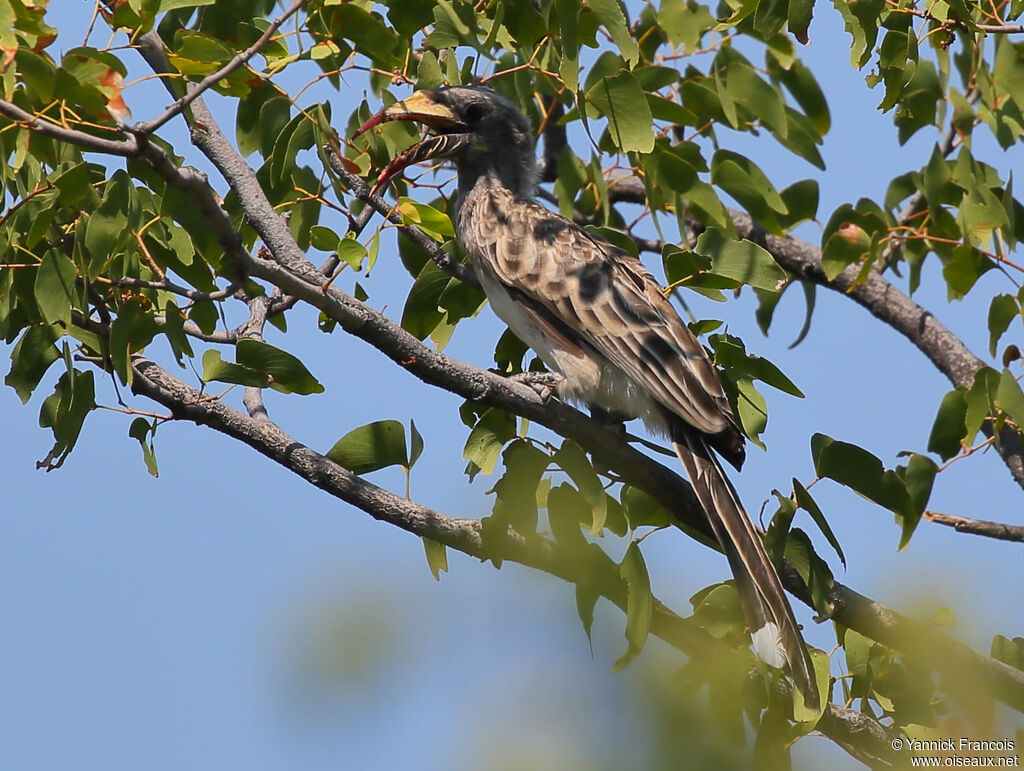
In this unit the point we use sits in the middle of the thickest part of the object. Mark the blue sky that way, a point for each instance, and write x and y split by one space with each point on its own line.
229 615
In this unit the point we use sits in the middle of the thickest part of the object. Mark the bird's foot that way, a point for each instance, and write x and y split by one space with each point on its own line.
544 383
610 418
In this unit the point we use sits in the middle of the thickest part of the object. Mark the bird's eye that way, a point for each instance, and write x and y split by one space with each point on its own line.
474 113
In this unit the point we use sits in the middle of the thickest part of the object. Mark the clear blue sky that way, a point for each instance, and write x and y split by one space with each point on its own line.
228 615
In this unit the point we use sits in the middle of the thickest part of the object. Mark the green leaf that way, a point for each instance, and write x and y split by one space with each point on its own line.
516 492
639 604
778 527
801 199
807 503
822 674
107 227
422 312
64 412
1009 651
949 428
812 569
174 329
32 356
730 353
573 461
140 429
980 400
371 447
684 23
862 472
215 368
610 14
964 269
621 100
744 181
642 509
437 557
433 222
490 433
586 599
287 373
742 261
760 100
415 444
918 477
1002 310
1010 398
566 510
751 409
54 288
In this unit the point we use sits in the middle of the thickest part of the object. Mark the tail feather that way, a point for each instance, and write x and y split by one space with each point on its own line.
776 636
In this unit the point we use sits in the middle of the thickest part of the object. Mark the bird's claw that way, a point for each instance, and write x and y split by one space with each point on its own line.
544 383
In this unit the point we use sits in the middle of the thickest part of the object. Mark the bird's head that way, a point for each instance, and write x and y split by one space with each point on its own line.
477 128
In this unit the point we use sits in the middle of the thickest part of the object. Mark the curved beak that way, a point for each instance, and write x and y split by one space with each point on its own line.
419 107
422 108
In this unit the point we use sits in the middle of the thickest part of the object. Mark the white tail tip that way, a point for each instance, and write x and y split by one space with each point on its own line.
768 645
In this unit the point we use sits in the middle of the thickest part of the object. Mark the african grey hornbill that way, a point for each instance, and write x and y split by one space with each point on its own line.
600 320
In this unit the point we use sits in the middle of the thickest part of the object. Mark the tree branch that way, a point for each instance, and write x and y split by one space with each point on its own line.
856 733
983 527
124 148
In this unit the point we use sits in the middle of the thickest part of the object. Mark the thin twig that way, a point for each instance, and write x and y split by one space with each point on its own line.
148 127
983 527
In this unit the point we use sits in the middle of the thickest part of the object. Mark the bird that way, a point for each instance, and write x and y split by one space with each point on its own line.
601 322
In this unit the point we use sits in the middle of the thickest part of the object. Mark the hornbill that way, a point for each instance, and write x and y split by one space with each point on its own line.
601 321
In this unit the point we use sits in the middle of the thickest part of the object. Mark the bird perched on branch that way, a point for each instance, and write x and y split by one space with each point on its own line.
601 321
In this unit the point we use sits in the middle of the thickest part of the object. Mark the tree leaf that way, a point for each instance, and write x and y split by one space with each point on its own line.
32 356
620 99
611 16
573 461
140 429
586 599
54 287
490 433
1001 311
1010 398
639 604
371 447
949 428
415 444
287 373
862 472
1009 651
807 503
437 557
215 368
516 492
918 477
742 261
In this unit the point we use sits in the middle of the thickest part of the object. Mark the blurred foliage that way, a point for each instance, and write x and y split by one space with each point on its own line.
104 255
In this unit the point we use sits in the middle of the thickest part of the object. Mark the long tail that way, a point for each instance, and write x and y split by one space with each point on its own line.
776 636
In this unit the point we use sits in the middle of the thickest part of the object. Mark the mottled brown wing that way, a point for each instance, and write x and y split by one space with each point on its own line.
606 296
